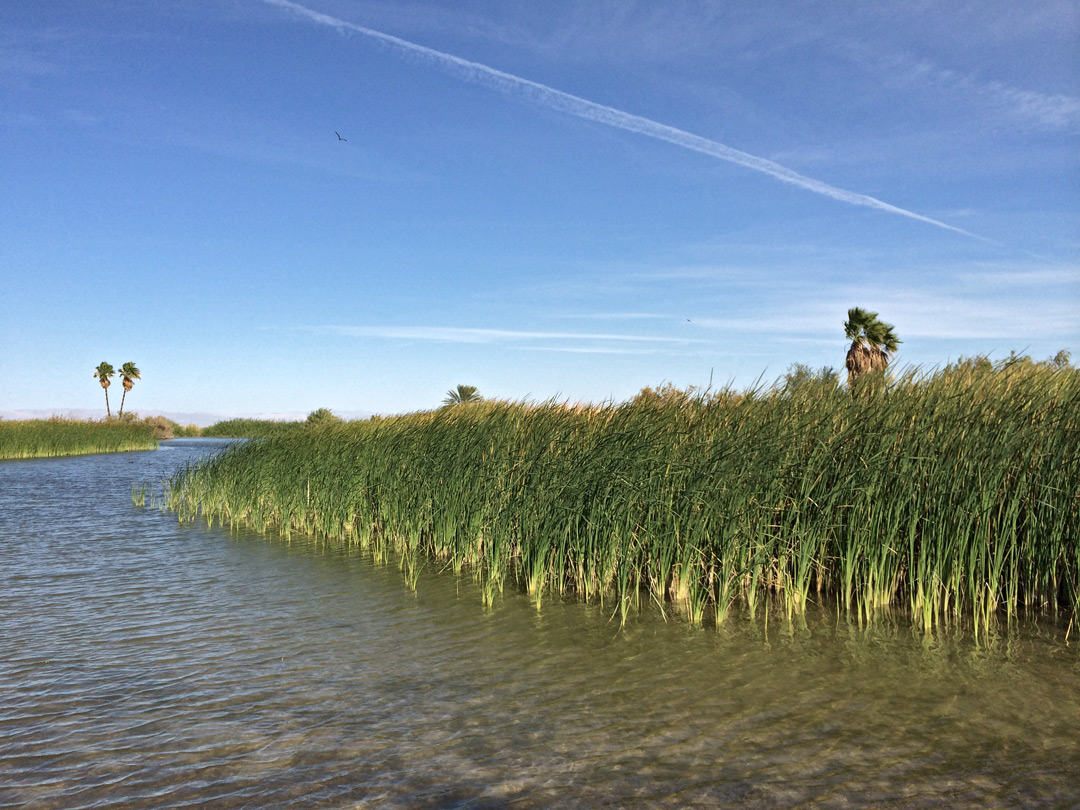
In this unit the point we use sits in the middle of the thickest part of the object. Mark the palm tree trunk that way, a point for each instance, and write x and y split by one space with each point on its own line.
122 398
859 361
107 411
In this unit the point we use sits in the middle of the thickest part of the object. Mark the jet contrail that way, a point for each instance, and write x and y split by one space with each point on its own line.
549 97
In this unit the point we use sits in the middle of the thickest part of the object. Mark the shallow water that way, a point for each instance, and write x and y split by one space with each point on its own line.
148 664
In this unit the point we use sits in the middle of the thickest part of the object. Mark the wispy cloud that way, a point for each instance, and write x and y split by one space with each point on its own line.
452 334
954 316
1061 277
545 96
1046 111
1056 111
959 304
796 322
618 316
596 350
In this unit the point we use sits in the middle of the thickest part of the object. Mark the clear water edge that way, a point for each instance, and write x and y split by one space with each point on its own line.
148 663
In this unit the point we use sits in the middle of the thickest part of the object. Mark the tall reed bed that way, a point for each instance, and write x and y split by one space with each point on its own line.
953 495
248 429
38 438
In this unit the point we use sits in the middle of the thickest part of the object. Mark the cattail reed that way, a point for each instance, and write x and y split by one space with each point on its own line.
247 428
953 496
42 438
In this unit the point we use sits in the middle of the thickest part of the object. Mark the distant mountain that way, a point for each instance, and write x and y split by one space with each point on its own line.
202 419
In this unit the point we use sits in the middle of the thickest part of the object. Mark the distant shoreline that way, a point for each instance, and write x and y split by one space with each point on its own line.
200 418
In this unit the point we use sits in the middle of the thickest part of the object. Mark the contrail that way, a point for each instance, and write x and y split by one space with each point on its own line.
549 97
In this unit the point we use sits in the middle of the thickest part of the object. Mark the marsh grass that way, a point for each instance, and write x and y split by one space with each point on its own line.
248 429
952 496
41 438
139 493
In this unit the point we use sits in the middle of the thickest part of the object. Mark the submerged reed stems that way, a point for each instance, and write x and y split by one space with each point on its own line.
954 496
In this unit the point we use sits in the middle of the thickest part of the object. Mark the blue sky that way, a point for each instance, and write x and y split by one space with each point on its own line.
558 199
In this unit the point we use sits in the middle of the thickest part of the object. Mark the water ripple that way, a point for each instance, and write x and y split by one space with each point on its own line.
150 664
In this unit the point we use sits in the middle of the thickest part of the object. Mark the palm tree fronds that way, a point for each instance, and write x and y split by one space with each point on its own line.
462 394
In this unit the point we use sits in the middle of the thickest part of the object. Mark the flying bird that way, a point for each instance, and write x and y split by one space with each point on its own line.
340 138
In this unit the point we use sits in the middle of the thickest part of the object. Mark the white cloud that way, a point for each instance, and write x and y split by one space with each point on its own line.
1047 111
618 316
592 350
1027 277
962 317
451 334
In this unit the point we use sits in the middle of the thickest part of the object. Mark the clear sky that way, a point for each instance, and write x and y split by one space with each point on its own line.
542 199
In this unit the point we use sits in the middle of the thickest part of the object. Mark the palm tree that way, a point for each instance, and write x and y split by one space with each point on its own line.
462 394
128 375
103 372
873 343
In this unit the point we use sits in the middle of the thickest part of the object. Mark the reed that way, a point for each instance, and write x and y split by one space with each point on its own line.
41 438
952 495
248 429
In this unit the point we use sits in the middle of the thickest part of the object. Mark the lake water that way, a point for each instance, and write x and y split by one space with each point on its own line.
148 664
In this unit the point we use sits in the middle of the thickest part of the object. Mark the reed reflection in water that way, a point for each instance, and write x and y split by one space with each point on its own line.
149 664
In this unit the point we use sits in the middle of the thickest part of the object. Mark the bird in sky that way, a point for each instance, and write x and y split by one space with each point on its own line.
339 137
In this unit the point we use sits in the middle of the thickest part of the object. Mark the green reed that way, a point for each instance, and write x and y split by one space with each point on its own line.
139 492
40 438
953 495
248 429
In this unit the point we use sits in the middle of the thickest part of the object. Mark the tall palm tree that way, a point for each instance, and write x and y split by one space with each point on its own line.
462 394
873 343
103 372
128 375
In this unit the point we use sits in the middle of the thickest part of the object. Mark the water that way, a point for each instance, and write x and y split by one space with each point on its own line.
148 664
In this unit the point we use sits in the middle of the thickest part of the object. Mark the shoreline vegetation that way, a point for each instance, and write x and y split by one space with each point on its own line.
49 438
60 436
951 496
